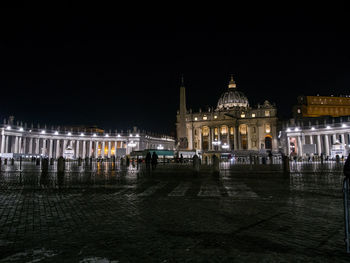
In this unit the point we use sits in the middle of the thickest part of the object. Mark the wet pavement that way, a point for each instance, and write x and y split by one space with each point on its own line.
107 214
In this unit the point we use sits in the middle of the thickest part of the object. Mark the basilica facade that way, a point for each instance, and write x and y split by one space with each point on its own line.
233 125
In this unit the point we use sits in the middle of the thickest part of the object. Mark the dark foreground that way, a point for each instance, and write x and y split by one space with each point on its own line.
121 217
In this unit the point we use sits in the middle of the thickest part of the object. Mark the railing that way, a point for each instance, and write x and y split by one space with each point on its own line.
346 213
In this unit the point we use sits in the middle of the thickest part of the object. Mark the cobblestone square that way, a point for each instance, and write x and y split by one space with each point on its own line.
125 217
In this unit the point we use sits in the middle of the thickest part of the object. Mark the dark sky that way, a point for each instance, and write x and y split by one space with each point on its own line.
117 69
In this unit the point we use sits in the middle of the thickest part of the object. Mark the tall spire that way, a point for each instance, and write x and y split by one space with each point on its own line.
181 129
232 83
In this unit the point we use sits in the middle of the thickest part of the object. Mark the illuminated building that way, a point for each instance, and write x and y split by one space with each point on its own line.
18 139
317 106
233 125
315 136
321 125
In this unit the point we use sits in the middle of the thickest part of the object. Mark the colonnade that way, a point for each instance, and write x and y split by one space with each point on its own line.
55 147
323 141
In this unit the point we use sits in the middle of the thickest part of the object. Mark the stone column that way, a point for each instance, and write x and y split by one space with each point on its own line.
326 144
16 145
239 140
50 148
334 136
37 141
19 144
219 138
58 148
96 149
311 140
115 148
300 148
319 151
2 142
303 139
77 154
210 139
236 139
249 139
109 149
7 144
24 145
45 146
84 149
90 148
103 149
31 145
288 145
342 138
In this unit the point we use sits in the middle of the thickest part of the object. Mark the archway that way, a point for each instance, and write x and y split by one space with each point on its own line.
268 142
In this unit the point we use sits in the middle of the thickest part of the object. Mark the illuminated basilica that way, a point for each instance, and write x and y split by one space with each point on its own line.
232 126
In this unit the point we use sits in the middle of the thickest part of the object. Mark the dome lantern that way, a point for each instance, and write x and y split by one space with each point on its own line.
232 83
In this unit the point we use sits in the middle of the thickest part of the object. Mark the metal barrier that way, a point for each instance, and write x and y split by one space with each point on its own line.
346 213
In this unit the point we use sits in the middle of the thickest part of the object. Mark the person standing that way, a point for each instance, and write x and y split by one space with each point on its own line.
154 160
346 168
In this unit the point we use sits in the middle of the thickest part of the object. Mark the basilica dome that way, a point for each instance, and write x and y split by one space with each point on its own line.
232 98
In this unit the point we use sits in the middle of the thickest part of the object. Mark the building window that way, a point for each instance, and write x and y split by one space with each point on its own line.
205 117
195 118
267 128
224 130
232 131
267 113
299 111
243 129
242 115
253 115
205 131
216 131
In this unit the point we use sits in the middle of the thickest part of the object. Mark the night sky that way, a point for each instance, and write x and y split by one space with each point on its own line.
118 69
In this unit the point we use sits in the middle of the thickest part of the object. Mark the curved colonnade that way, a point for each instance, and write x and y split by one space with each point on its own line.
54 143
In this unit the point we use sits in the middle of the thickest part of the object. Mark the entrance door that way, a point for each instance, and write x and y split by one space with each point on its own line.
268 143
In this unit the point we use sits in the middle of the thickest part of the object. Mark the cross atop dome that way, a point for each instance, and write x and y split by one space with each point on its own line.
232 83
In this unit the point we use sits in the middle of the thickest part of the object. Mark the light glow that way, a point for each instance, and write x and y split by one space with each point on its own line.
21 129
82 134
131 144
312 128
343 125
296 129
216 142
328 127
94 135
69 134
288 129
160 147
8 128
56 133
43 132
225 146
